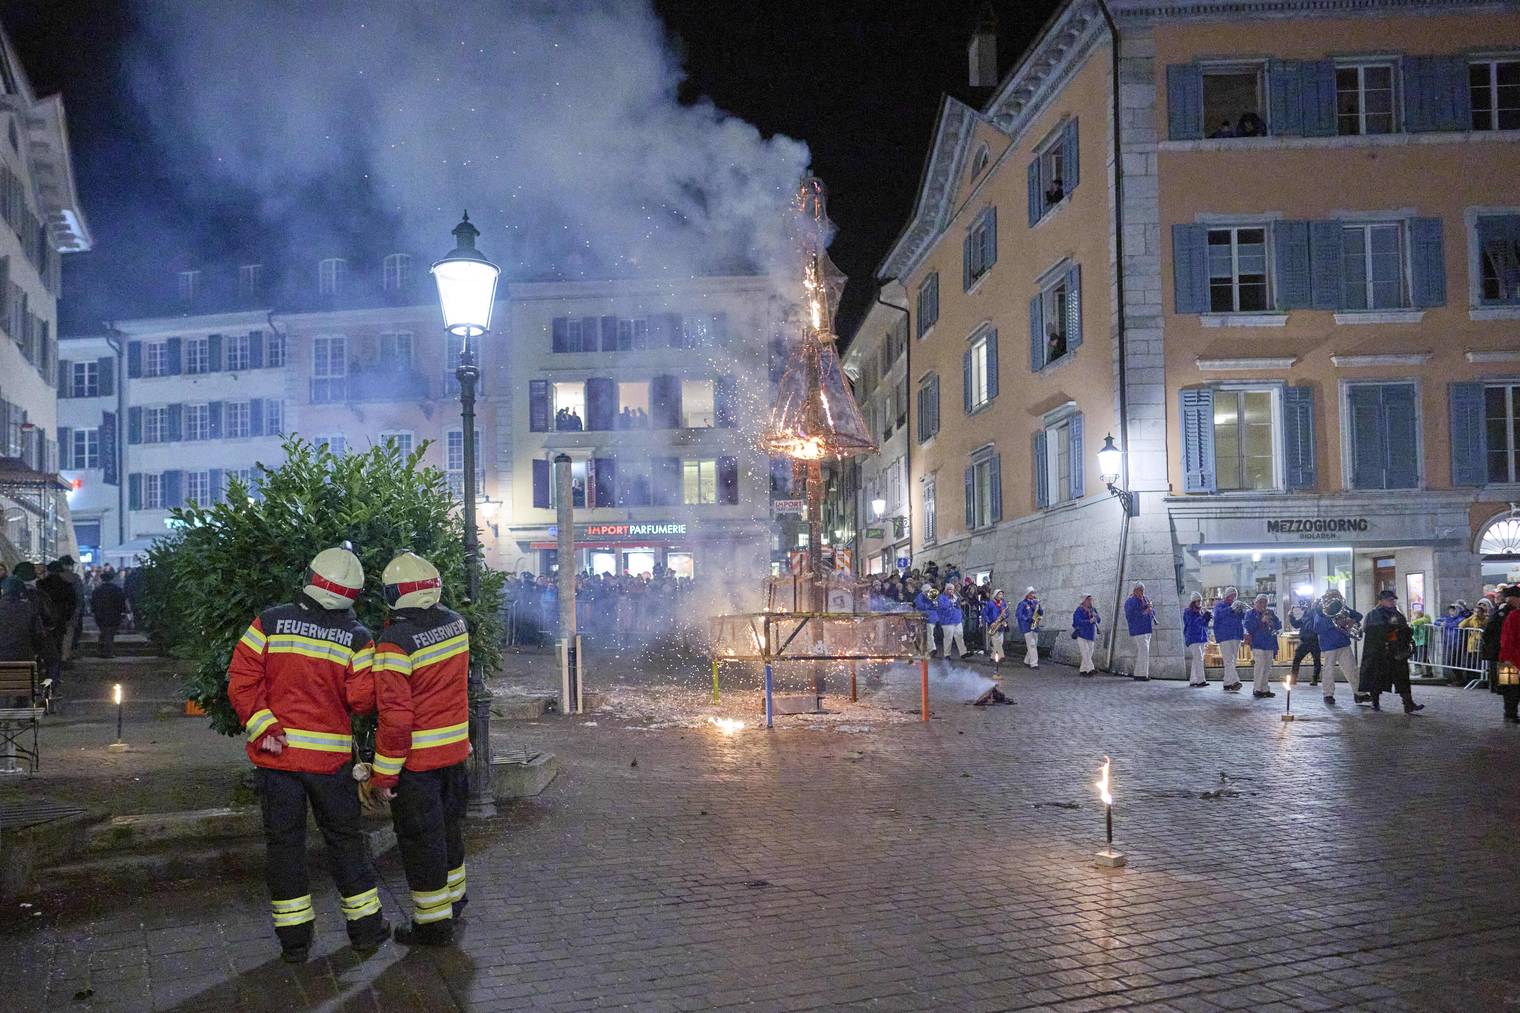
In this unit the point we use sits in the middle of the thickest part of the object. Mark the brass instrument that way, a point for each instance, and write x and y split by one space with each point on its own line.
1240 608
1341 616
1000 623
1039 615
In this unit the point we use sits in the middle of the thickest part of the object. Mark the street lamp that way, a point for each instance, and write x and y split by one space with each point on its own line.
1110 467
878 507
466 294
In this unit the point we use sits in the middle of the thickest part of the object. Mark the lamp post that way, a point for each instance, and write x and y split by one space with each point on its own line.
1111 470
466 283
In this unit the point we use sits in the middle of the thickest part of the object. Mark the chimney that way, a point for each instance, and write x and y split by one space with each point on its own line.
981 52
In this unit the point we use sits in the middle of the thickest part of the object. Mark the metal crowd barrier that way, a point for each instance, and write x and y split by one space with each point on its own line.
1450 654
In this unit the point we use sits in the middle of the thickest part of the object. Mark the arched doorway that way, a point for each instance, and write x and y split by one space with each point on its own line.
1499 545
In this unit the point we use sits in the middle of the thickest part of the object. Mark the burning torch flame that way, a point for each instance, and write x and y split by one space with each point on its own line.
116 694
1103 792
728 726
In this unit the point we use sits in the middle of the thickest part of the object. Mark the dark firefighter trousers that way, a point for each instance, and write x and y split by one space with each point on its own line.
335 804
428 812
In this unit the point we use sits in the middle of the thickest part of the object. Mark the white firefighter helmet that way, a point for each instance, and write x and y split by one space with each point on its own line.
411 582
334 578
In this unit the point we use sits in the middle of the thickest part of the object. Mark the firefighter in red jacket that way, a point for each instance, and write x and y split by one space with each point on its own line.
297 675
422 664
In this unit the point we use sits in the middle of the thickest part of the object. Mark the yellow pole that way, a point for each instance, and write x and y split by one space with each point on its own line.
715 680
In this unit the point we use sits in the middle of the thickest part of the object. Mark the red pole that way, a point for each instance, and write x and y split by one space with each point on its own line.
923 670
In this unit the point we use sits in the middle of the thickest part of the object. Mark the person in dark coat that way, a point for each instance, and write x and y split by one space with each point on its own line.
1489 652
1386 646
60 592
1301 618
108 603
22 636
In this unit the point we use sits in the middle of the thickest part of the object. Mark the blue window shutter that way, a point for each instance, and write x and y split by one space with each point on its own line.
1070 157
727 408
1325 264
1298 437
966 380
1317 91
1418 89
989 238
1436 93
255 349
1073 307
65 447
1290 248
934 405
1368 454
538 406
256 417
214 420
176 422
540 483
966 243
174 488
217 486
1284 81
173 357
728 480
1427 262
1190 268
970 497
923 413
1078 462
134 491
1036 194
1455 92
1469 451
1184 102
1402 467
65 378
134 359
214 353
1197 439
1036 335
1041 471
992 364
559 331
995 480
105 370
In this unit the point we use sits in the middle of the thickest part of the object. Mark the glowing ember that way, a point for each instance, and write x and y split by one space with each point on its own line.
728 726
1103 791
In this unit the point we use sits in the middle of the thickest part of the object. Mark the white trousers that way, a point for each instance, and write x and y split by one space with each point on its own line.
1032 649
1196 676
995 645
1143 656
1085 646
1340 656
1227 651
1261 668
955 634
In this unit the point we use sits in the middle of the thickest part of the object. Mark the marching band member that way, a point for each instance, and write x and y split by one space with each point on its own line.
927 602
1084 630
952 617
1029 615
1141 618
1335 643
1261 626
1195 633
995 619
1228 633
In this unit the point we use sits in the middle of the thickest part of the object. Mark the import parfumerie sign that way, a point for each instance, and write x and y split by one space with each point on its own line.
1313 527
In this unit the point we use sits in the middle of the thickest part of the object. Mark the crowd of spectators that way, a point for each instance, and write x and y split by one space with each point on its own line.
615 609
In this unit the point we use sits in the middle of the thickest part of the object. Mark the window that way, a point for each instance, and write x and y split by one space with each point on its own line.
697 404
931 515
1498 255
928 303
1053 171
1245 452
979 162
335 442
928 408
894 482
396 272
1373 267
1052 175
980 246
1238 270
156 358
1058 461
1495 89
1232 102
984 490
402 438
893 347
156 425
454 464
331 274
197 422
1501 423
1364 99
274 349
633 482
274 418
198 488
84 379
329 369
189 285
632 334
1383 424
981 371
239 352
569 406
153 492
699 482
633 404
900 402
575 334
86 448
250 280
197 355
1055 317
235 419
396 346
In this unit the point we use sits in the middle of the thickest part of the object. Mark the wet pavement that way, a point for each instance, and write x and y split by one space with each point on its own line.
1348 860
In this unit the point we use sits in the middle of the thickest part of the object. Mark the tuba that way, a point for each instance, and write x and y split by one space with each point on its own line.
1341 616
1239 607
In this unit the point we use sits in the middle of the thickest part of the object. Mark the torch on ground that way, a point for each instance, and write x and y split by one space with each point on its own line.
1109 857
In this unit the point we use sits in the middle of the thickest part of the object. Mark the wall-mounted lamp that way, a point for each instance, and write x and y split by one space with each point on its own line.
1110 467
486 510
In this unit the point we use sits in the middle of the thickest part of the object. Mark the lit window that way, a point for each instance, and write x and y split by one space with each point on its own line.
1238 270
699 482
397 272
931 516
454 464
569 406
1245 433
1373 265
331 274
697 404
981 389
1056 310
1232 102
1058 460
1364 99
1495 89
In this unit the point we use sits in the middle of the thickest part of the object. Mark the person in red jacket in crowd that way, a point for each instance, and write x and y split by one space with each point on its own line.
1509 647
422 664
297 676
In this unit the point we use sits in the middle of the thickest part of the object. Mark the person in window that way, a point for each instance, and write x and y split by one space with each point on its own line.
1084 630
574 421
1250 125
1385 653
1055 344
1225 129
1054 192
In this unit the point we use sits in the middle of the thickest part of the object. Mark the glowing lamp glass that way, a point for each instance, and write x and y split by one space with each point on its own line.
487 508
116 694
878 507
466 294
1509 675
1110 461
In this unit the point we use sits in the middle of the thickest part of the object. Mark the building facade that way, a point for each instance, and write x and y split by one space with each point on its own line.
42 221
876 362
1272 253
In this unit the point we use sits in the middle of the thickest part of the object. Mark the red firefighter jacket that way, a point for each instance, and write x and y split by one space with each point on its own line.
301 671
422 665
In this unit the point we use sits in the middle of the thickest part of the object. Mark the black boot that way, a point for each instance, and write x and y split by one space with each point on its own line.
369 938
1375 704
1410 706
431 934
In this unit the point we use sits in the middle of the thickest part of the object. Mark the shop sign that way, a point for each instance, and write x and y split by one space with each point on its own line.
1317 527
630 530
876 533
788 506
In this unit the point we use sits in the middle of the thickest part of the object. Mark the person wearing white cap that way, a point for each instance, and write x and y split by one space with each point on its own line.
1195 633
1084 630
1141 618
995 619
1262 625
1029 615
1229 631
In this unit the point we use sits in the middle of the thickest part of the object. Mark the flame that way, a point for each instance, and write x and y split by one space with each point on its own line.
1103 792
116 694
728 726
1288 682
805 448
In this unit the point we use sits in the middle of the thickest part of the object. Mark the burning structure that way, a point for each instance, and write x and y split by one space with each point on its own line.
814 616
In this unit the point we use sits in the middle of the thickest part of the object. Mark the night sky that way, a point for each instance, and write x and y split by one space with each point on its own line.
858 82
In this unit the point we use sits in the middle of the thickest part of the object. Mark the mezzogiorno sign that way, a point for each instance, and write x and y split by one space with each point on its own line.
1312 527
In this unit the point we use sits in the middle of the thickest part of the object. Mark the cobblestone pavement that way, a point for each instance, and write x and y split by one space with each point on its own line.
1346 860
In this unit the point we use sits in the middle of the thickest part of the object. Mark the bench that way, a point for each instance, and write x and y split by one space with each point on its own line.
18 680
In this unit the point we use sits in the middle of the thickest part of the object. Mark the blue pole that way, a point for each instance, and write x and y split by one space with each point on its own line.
770 711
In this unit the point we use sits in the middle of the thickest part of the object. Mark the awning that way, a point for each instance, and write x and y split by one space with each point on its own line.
18 476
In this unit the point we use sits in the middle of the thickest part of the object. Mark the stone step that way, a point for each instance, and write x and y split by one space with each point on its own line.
154 829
